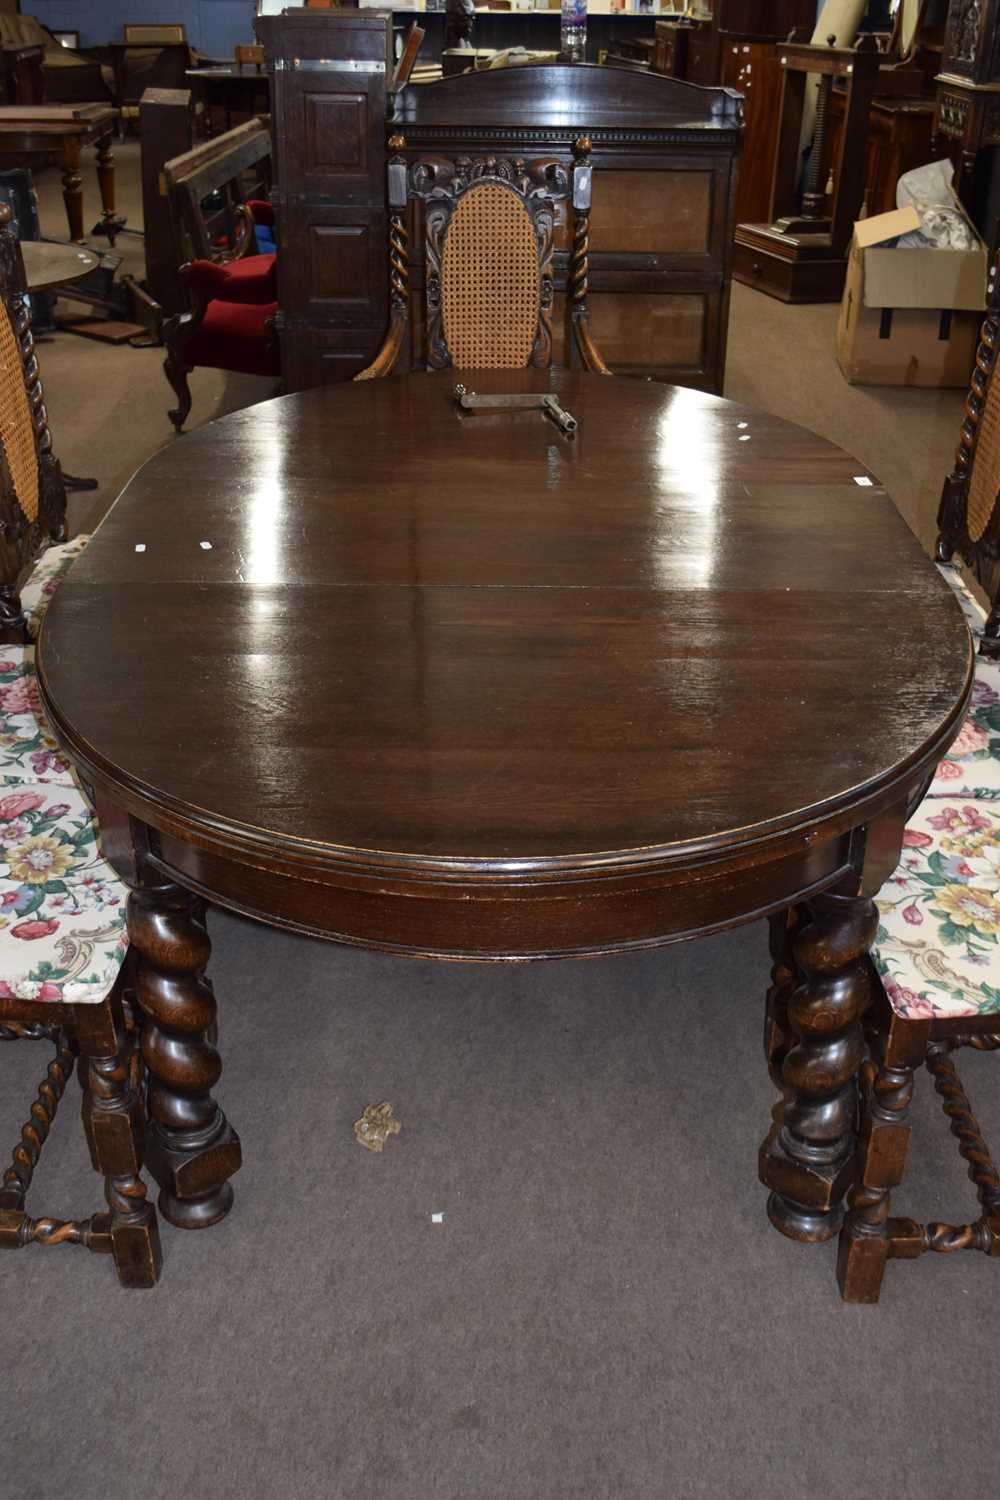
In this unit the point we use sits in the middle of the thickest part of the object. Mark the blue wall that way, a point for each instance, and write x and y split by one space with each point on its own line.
213 26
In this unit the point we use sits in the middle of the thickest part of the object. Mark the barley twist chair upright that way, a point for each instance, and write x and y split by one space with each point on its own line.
936 960
488 262
63 942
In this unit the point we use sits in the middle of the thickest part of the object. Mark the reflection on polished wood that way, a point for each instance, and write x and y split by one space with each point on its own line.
453 639
455 685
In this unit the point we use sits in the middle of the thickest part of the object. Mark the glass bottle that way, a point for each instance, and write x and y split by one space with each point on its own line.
573 31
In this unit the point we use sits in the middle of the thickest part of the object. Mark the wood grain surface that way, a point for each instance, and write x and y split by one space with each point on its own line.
359 633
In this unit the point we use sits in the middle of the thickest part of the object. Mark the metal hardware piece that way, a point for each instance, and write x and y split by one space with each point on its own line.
547 403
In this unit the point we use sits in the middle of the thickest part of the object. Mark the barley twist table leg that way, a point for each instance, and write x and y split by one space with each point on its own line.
192 1150
808 1162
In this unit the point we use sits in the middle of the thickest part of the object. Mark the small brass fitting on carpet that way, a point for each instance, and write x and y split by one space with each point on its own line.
376 1126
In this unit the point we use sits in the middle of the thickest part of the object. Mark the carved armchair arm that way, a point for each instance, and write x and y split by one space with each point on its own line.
590 355
233 282
261 211
399 272
579 271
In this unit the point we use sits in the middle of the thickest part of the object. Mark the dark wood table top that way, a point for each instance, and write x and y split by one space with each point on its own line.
48 264
356 634
56 119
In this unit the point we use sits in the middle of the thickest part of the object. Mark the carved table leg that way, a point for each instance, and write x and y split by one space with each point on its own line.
191 1149
109 224
808 1162
72 185
114 1121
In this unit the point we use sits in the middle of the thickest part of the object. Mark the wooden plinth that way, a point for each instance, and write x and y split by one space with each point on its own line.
791 267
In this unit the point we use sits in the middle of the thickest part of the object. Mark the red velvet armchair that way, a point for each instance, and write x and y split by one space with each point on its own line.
229 326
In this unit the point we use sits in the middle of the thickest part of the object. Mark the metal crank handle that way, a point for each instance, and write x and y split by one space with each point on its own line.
559 414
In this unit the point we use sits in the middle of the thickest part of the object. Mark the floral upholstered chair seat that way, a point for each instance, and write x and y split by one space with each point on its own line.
62 908
937 948
27 750
54 564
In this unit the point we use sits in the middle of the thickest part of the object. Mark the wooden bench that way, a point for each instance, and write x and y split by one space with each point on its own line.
208 186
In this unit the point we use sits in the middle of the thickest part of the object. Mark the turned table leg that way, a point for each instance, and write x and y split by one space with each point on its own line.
192 1151
110 225
808 1161
72 185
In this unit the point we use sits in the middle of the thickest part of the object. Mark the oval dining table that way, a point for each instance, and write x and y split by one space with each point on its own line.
460 685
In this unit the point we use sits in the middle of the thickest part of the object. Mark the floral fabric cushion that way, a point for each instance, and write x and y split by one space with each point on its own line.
27 750
43 581
62 908
937 948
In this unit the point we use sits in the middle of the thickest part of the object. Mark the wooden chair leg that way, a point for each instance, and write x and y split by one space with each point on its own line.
114 1120
177 373
866 1240
882 1147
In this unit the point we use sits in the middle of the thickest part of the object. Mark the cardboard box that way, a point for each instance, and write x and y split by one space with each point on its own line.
909 317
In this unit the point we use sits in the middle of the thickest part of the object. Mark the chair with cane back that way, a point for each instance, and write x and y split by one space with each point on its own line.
63 941
937 952
489 283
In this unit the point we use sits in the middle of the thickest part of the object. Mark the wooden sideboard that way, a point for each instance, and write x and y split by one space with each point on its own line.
665 175
899 138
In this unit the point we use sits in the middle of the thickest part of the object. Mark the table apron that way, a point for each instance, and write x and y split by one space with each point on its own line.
551 919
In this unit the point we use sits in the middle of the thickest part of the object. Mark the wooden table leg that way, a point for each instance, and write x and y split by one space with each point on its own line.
72 184
808 1161
106 182
192 1151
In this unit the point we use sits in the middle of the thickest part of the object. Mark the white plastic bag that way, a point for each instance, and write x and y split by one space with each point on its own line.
943 224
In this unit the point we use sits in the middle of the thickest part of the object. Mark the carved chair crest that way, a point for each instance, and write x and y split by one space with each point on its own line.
32 494
969 514
489 226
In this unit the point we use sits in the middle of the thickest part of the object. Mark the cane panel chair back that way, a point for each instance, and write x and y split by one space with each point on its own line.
32 494
488 261
489 283
969 515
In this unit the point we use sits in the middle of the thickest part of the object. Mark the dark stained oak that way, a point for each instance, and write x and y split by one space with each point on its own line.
456 685
485 651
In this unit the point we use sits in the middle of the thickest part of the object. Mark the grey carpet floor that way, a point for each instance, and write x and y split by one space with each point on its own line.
604 1310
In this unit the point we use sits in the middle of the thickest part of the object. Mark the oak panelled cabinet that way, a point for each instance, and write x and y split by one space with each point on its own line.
665 172
968 93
